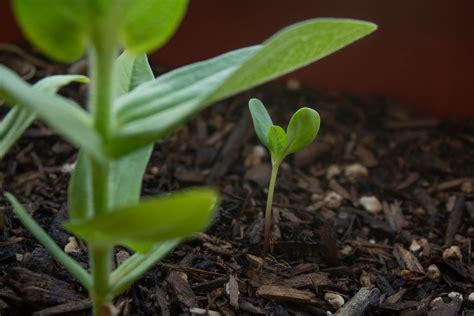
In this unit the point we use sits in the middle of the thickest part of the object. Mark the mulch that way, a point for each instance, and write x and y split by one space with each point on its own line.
377 214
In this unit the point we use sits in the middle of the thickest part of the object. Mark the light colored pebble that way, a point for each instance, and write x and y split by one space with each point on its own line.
355 171
415 246
332 171
334 299
371 204
333 200
453 252
433 272
72 246
454 295
470 298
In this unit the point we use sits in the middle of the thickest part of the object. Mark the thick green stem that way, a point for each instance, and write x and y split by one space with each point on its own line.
268 210
102 67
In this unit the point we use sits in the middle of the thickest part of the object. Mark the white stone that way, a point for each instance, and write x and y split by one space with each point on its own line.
453 252
355 171
332 171
433 272
72 246
371 204
470 298
453 295
333 200
415 246
334 299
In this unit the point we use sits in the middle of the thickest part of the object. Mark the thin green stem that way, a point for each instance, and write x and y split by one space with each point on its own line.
102 62
268 210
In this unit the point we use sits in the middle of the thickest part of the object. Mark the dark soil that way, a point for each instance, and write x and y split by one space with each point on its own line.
408 255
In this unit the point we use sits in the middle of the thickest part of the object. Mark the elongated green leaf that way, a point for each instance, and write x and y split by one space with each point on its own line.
148 24
151 221
68 263
18 119
56 27
125 173
156 109
261 120
277 141
132 70
302 129
293 47
61 114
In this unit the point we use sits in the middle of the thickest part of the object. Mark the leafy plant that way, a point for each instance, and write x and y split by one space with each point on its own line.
128 110
302 130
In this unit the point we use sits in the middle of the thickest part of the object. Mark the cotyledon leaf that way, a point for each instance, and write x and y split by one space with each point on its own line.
261 120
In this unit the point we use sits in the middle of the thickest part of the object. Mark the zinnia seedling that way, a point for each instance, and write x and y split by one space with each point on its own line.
302 130
127 111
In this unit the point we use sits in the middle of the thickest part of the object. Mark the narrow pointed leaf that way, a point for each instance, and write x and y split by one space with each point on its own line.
302 129
125 173
63 115
277 141
293 47
58 254
261 120
19 119
151 221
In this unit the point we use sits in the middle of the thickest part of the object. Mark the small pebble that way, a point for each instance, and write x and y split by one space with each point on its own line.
355 171
293 84
72 246
333 200
415 246
433 272
332 171
371 204
453 252
334 299
454 295
470 298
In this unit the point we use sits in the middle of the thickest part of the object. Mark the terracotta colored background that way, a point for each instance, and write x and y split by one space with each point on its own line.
422 53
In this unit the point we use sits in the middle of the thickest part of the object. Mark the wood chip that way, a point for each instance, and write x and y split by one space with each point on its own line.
394 216
182 289
286 294
232 289
359 303
454 221
308 280
411 262
66 308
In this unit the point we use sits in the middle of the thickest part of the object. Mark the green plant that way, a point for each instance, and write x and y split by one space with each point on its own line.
127 111
302 130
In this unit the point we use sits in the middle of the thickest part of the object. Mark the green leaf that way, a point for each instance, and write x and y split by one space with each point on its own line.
18 119
148 24
151 221
302 129
126 172
156 109
293 47
261 120
67 262
63 115
277 141
56 27
132 70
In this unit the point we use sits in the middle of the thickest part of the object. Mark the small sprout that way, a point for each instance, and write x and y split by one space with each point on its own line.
302 130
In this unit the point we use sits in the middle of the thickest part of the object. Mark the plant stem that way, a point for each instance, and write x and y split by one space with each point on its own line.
268 210
102 67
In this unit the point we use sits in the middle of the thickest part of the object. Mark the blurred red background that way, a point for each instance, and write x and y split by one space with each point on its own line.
422 53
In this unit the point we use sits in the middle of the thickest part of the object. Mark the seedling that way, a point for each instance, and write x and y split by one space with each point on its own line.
127 111
302 130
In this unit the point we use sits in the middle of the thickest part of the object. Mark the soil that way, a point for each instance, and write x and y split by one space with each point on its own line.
377 213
